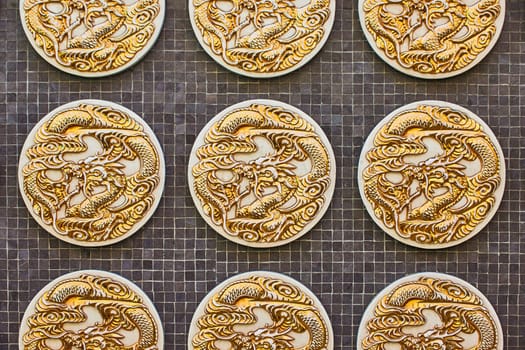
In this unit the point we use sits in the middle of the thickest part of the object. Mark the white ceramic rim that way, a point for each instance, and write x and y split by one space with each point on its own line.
193 330
394 64
199 141
145 300
158 22
498 194
328 26
369 312
157 193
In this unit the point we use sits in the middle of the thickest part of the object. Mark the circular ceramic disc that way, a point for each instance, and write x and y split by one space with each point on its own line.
430 311
92 38
263 38
260 310
91 172
432 39
91 309
262 173
431 174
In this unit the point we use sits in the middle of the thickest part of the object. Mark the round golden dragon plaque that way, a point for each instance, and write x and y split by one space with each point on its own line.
91 172
91 310
262 38
432 39
92 38
262 173
431 174
430 311
260 310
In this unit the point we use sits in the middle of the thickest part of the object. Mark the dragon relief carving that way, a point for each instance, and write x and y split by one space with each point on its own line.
63 307
292 314
436 200
462 314
432 36
91 197
91 35
262 36
263 199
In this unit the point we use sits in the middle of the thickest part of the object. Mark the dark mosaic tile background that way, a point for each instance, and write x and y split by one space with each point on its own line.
346 259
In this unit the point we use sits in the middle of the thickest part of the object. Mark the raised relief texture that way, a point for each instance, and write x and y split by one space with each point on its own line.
401 319
432 36
266 198
262 36
292 313
91 35
91 192
61 318
432 194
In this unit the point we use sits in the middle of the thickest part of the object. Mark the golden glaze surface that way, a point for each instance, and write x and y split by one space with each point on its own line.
461 313
91 36
432 36
79 177
291 311
432 174
263 199
61 317
262 36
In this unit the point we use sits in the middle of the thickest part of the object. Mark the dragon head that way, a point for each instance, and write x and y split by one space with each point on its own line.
268 171
434 339
263 339
437 172
93 338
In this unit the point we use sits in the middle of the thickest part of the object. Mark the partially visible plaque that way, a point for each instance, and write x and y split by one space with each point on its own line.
260 310
92 38
432 39
430 311
91 309
262 39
